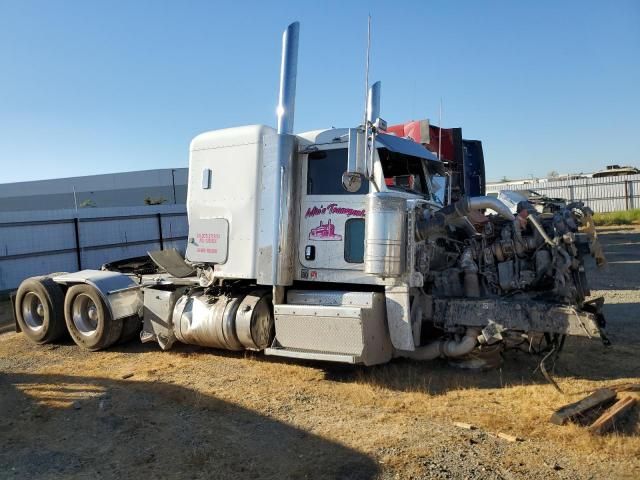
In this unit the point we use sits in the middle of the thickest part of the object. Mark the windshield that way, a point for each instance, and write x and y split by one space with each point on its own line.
403 172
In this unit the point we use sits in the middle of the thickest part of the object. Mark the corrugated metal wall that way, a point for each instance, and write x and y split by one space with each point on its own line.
35 243
125 189
607 194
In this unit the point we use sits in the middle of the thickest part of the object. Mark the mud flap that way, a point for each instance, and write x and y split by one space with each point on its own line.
12 298
399 317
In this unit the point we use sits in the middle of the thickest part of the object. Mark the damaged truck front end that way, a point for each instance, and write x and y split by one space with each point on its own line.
493 277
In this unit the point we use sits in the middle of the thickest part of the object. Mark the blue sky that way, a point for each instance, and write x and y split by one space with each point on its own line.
95 87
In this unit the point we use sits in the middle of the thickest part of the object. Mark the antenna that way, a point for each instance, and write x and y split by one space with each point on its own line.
440 130
366 73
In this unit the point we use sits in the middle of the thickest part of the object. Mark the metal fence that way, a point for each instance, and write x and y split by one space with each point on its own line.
35 243
608 194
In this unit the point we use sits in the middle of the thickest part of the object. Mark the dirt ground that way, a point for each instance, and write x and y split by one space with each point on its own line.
137 412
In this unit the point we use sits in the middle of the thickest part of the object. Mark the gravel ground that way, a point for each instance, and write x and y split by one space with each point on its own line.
135 411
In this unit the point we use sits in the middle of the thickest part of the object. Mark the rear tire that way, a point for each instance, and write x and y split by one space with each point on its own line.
89 320
39 310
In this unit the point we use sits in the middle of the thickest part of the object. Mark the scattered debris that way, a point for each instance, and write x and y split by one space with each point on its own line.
626 387
506 436
543 367
586 410
466 426
501 435
579 408
509 438
555 465
607 420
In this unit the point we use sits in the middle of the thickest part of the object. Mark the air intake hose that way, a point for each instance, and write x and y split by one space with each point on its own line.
446 348
454 214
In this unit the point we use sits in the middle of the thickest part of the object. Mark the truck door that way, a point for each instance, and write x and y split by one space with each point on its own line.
331 219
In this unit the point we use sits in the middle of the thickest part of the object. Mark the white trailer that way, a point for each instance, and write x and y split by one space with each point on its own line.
331 245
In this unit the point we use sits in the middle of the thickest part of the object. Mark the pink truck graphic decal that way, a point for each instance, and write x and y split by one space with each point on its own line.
325 232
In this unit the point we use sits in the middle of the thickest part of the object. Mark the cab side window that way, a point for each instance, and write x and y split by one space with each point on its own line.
354 240
324 173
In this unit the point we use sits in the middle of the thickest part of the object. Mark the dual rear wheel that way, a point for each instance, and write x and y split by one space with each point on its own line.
44 313
88 319
39 310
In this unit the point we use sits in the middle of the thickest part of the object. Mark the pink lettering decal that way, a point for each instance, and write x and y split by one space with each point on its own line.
333 209
208 237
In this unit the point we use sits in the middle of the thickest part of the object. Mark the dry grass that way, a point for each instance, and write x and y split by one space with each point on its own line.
625 217
511 400
377 406
389 413
521 406
400 414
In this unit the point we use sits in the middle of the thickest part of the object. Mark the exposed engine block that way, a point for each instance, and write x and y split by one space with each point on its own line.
470 254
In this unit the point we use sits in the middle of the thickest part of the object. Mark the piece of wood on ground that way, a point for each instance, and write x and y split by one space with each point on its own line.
575 410
509 438
608 419
627 387
466 426
505 436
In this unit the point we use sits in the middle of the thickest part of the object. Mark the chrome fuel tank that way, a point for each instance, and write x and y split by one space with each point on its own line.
207 321
242 320
385 237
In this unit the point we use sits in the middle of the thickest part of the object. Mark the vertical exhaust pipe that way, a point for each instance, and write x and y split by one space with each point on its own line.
373 102
285 208
288 76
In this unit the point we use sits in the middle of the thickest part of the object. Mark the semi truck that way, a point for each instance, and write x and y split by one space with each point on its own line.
332 245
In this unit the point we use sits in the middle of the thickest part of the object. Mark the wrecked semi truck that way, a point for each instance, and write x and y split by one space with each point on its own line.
331 245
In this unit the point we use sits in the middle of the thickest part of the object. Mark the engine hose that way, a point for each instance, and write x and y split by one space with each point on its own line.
479 203
455 213
446 348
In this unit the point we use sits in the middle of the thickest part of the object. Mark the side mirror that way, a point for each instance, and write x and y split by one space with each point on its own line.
357 151
356 163
351 181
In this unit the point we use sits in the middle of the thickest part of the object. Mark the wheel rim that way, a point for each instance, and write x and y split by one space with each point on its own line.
84 313
33 311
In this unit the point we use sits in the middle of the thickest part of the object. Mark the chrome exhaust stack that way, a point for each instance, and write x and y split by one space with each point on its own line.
284 247
358 161
373 102
288 77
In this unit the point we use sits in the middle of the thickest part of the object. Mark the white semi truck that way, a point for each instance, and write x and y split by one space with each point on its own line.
332 245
